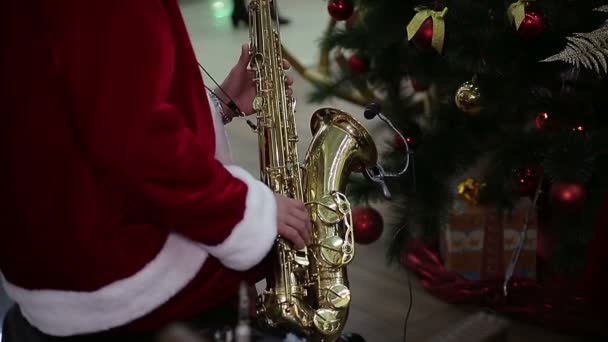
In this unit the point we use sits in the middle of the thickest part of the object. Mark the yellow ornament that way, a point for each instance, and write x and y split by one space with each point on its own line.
468 98
469 189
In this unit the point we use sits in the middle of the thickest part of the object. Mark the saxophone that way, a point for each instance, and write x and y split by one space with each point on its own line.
308 289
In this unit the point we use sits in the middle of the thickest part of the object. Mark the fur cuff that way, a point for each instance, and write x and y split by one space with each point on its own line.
253 237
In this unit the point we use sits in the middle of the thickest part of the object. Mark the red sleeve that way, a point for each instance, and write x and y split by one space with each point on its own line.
117 59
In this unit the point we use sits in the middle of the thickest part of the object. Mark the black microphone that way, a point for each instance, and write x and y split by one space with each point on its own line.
372 111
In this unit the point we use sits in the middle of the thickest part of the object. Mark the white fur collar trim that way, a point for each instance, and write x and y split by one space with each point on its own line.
65 313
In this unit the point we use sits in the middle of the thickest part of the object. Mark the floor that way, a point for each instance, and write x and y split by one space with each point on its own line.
380 292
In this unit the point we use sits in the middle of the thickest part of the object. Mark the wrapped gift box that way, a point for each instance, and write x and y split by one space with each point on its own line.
478 242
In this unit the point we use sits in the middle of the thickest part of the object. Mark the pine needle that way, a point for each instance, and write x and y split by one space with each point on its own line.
587 49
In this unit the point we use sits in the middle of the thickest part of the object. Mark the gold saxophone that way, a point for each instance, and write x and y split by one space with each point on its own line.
308 289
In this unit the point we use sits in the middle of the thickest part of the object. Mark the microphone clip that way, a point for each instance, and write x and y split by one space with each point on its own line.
377 173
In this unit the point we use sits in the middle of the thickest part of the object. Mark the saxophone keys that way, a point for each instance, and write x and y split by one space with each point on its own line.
258 103
338 296
344 208
300 257
326 321
331 251
327 210
347 257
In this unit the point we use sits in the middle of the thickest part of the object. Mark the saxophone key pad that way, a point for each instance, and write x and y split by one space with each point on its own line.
327 210
338 295
331 251
258 103
326 320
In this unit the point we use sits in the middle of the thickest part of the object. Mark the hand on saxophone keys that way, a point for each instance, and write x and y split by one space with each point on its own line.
240 84
293 221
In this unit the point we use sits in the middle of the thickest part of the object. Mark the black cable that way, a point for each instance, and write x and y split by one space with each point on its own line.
409 309
409 280
232 104
371 111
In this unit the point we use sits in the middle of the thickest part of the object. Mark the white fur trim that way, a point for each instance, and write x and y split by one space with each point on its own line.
253 237
222 146
65 313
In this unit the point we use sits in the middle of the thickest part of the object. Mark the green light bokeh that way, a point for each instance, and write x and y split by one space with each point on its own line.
221 8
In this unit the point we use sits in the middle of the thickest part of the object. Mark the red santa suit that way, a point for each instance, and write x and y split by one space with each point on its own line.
118 211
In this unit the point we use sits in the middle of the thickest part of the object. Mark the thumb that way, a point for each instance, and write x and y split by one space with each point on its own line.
244 58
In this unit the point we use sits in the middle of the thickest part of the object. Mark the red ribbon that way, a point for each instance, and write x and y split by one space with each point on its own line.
559 305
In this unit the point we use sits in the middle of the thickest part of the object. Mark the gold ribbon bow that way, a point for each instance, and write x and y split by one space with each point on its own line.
517 12
438 25
469 189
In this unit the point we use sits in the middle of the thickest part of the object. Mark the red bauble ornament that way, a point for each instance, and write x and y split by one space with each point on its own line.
542 120
568 197
358 64
341 9
367 224
424 37
533 25
527 181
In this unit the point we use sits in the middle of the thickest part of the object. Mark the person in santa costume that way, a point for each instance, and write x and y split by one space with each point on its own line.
122 210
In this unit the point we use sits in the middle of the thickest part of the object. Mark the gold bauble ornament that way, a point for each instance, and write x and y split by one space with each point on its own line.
468 98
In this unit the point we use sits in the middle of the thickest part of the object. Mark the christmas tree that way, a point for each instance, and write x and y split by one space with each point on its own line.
517 85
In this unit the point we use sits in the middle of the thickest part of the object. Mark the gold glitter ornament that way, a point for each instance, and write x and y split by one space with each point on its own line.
468 98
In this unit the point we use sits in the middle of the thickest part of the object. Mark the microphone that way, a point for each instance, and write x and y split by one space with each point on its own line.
377 173
372 111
